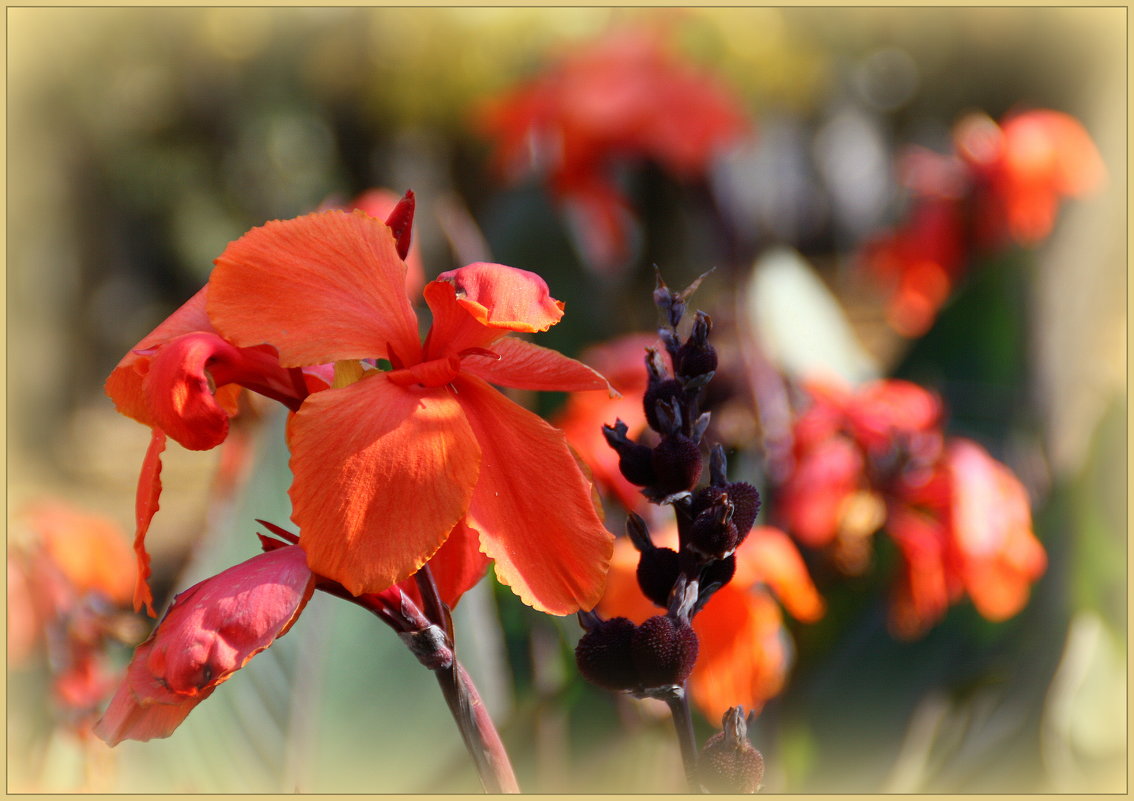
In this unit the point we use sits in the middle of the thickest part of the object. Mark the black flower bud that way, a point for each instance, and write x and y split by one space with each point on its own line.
729 763
604 655
667 391
696 357
657 571
713 533
745 500
677 465
664 651
634 460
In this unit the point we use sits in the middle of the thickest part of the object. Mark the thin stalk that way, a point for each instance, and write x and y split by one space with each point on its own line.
683 725
469 712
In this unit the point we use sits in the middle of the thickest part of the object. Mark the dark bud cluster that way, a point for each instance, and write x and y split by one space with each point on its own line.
729 763
644 659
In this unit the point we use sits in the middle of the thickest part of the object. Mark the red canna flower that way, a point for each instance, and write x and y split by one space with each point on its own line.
388 464
744 655
183 380
211 631
626 96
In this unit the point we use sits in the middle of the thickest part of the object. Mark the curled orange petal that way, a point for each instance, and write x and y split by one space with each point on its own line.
533 507
382 474
505 297
768 555
124 385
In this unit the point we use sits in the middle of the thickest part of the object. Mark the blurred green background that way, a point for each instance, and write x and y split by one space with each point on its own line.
141 141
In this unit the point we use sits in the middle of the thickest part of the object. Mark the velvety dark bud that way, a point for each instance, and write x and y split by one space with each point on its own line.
664 651
697 356
713 532
715 575
744 497
634 460
677 464
729 763
746 502
657 571
706 497
604 655
668 391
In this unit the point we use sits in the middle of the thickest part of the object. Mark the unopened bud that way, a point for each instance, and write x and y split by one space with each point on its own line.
676 464
604 655
696 356
662 405
635 461
664 651
657 571
729 763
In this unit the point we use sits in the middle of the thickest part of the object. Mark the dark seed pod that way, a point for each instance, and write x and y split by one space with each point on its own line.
604 655
677 464
746 500
635 461
696 356
669 390
664 651
657 571
713 533
729 763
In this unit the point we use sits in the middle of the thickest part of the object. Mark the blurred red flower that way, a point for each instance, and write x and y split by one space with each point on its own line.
744 652
625 96
875 458
1003 183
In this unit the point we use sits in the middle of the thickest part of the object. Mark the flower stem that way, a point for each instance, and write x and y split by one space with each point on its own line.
477 730
465 704
678 702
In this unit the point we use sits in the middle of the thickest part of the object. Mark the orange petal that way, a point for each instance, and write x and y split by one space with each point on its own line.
382 475
380 203
526 366
320 288
533 506
456 567
124 385
992 526
145 507
742 659
504 297
768 555
211 631
90 550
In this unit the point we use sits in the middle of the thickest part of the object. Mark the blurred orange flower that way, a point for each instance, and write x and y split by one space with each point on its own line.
744 653
70 573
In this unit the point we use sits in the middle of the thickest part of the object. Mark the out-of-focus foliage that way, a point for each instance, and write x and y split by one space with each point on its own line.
142 141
